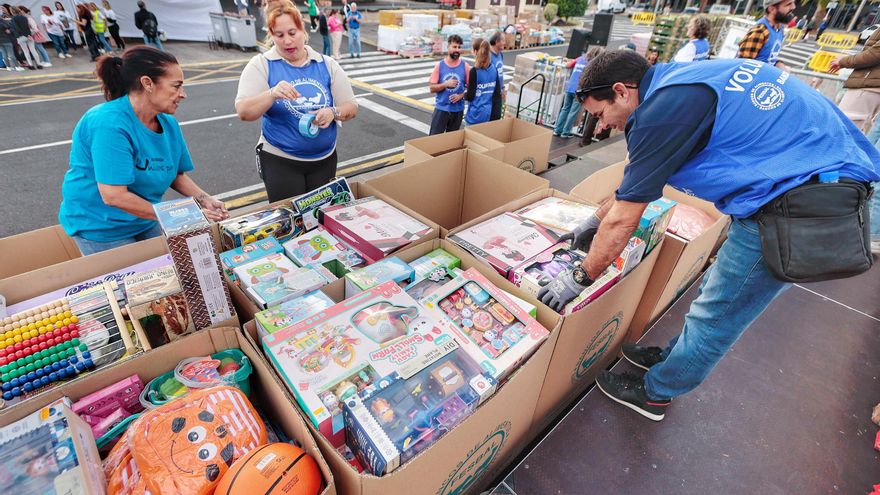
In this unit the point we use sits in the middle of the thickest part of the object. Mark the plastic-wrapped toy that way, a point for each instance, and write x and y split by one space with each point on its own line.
296 283
437 258
287 313
372 275
245 254
281 223
652 225
689 222
319 247
334 192
539 271
558 214
266 269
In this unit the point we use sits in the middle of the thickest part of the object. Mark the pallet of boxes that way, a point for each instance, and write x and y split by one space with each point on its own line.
527 96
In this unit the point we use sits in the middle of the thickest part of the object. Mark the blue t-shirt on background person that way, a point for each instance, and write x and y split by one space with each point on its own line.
112 147
354 19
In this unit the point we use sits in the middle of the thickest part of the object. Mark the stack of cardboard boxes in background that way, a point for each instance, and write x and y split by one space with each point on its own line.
556 76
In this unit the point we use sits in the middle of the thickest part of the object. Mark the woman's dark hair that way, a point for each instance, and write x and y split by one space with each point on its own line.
612 67
454 38
83 12
122 75
59 4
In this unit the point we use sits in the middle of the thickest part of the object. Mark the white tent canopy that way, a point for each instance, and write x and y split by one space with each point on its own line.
180 19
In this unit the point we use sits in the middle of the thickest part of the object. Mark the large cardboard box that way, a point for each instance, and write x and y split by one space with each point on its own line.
480 447
456 187
680 261
267 393
526 145
245 306
35 249
589 339
428 147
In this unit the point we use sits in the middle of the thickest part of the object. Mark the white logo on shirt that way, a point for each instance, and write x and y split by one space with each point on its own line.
767 96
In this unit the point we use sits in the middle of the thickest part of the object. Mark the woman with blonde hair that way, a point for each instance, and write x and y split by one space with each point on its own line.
483 86
697 48
299 95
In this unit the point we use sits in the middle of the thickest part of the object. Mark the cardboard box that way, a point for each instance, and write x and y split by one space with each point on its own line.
481 446
526 145
267 393
425 148
589 338
679 262
456 188
35 249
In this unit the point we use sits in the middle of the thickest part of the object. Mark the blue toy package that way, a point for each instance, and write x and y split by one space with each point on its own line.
269 268
333 193
436 258
392 420
319 247
234 258
655 219
179 215
279 317
292 285
379 272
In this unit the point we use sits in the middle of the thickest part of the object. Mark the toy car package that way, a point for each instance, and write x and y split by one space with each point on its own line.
333 193
280 222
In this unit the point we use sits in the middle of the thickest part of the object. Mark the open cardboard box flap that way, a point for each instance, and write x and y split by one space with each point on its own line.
35 249
428 147
526 146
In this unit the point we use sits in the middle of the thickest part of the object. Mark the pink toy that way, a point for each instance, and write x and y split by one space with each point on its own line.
121 395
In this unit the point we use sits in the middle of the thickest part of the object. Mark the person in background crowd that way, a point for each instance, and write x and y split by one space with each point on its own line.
25 40
146 21
127 152
697 48
701 129
313 15
354 30
284 88
83 20
793 22
67 24
54 30
496 49
346 9
483 85
822 27
38 36
802 23
764 40
324 29
653 56
99 25
113 25
811 25
335 25
7 41
448 81
570 106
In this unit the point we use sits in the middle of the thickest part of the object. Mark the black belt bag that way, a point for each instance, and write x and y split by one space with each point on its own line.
817 231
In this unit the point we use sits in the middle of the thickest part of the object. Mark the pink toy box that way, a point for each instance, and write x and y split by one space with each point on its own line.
494 330
539 271
372 226
122 397
329 357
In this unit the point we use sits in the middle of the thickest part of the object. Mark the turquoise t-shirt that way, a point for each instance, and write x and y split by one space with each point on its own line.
112 147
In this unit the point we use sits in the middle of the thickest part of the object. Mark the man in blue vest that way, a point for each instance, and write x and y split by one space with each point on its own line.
449 82
738 133
764 41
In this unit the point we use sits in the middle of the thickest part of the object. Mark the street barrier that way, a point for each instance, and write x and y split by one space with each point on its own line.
821 60
837 41
793 35
646 18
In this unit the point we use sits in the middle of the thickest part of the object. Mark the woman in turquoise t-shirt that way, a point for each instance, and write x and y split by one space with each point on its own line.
127 152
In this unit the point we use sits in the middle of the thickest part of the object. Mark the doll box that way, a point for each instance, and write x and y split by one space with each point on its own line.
289 312
297 283
505 241
558 214
497 333
436 258
379 272
539 271
269 268
330 356
609 277
372 226
234 258
319 247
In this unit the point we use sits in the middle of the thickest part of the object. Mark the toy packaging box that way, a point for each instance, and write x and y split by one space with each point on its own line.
327 358
269 268
505 241
379 272
234 258
157 303
105 408
333 193
51 452
146 286
539 271
279 317
432 260
558 214
188 236
281 222
631 256
497 333
609 277
399 416
319 247
435 279
372 227
652 225
297 283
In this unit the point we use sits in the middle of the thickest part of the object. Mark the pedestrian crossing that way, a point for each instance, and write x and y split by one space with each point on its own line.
407 77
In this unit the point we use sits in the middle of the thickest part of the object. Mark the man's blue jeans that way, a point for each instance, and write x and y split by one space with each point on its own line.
567 114
58 43
327 48
874 138
354 42
87 247
153 41
734 292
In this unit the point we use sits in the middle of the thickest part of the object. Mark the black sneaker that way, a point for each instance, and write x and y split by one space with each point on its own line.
643 357
629 390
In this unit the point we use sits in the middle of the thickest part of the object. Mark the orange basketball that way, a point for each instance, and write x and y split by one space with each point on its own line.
273 469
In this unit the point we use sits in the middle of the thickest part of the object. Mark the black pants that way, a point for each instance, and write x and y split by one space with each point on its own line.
92 43
114 32
443 121
285 178
314 21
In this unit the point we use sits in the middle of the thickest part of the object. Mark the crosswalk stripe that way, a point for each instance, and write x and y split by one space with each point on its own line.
346 62
424 73
385 63
405 82
394 115
413 91
376 70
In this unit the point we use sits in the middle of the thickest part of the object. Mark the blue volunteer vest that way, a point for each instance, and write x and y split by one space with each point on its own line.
497 60
480 109
575 77
770 51
281 121
702 47
442 98
772 133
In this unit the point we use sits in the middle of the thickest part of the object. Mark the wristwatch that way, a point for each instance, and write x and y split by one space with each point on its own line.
335 113
580 276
